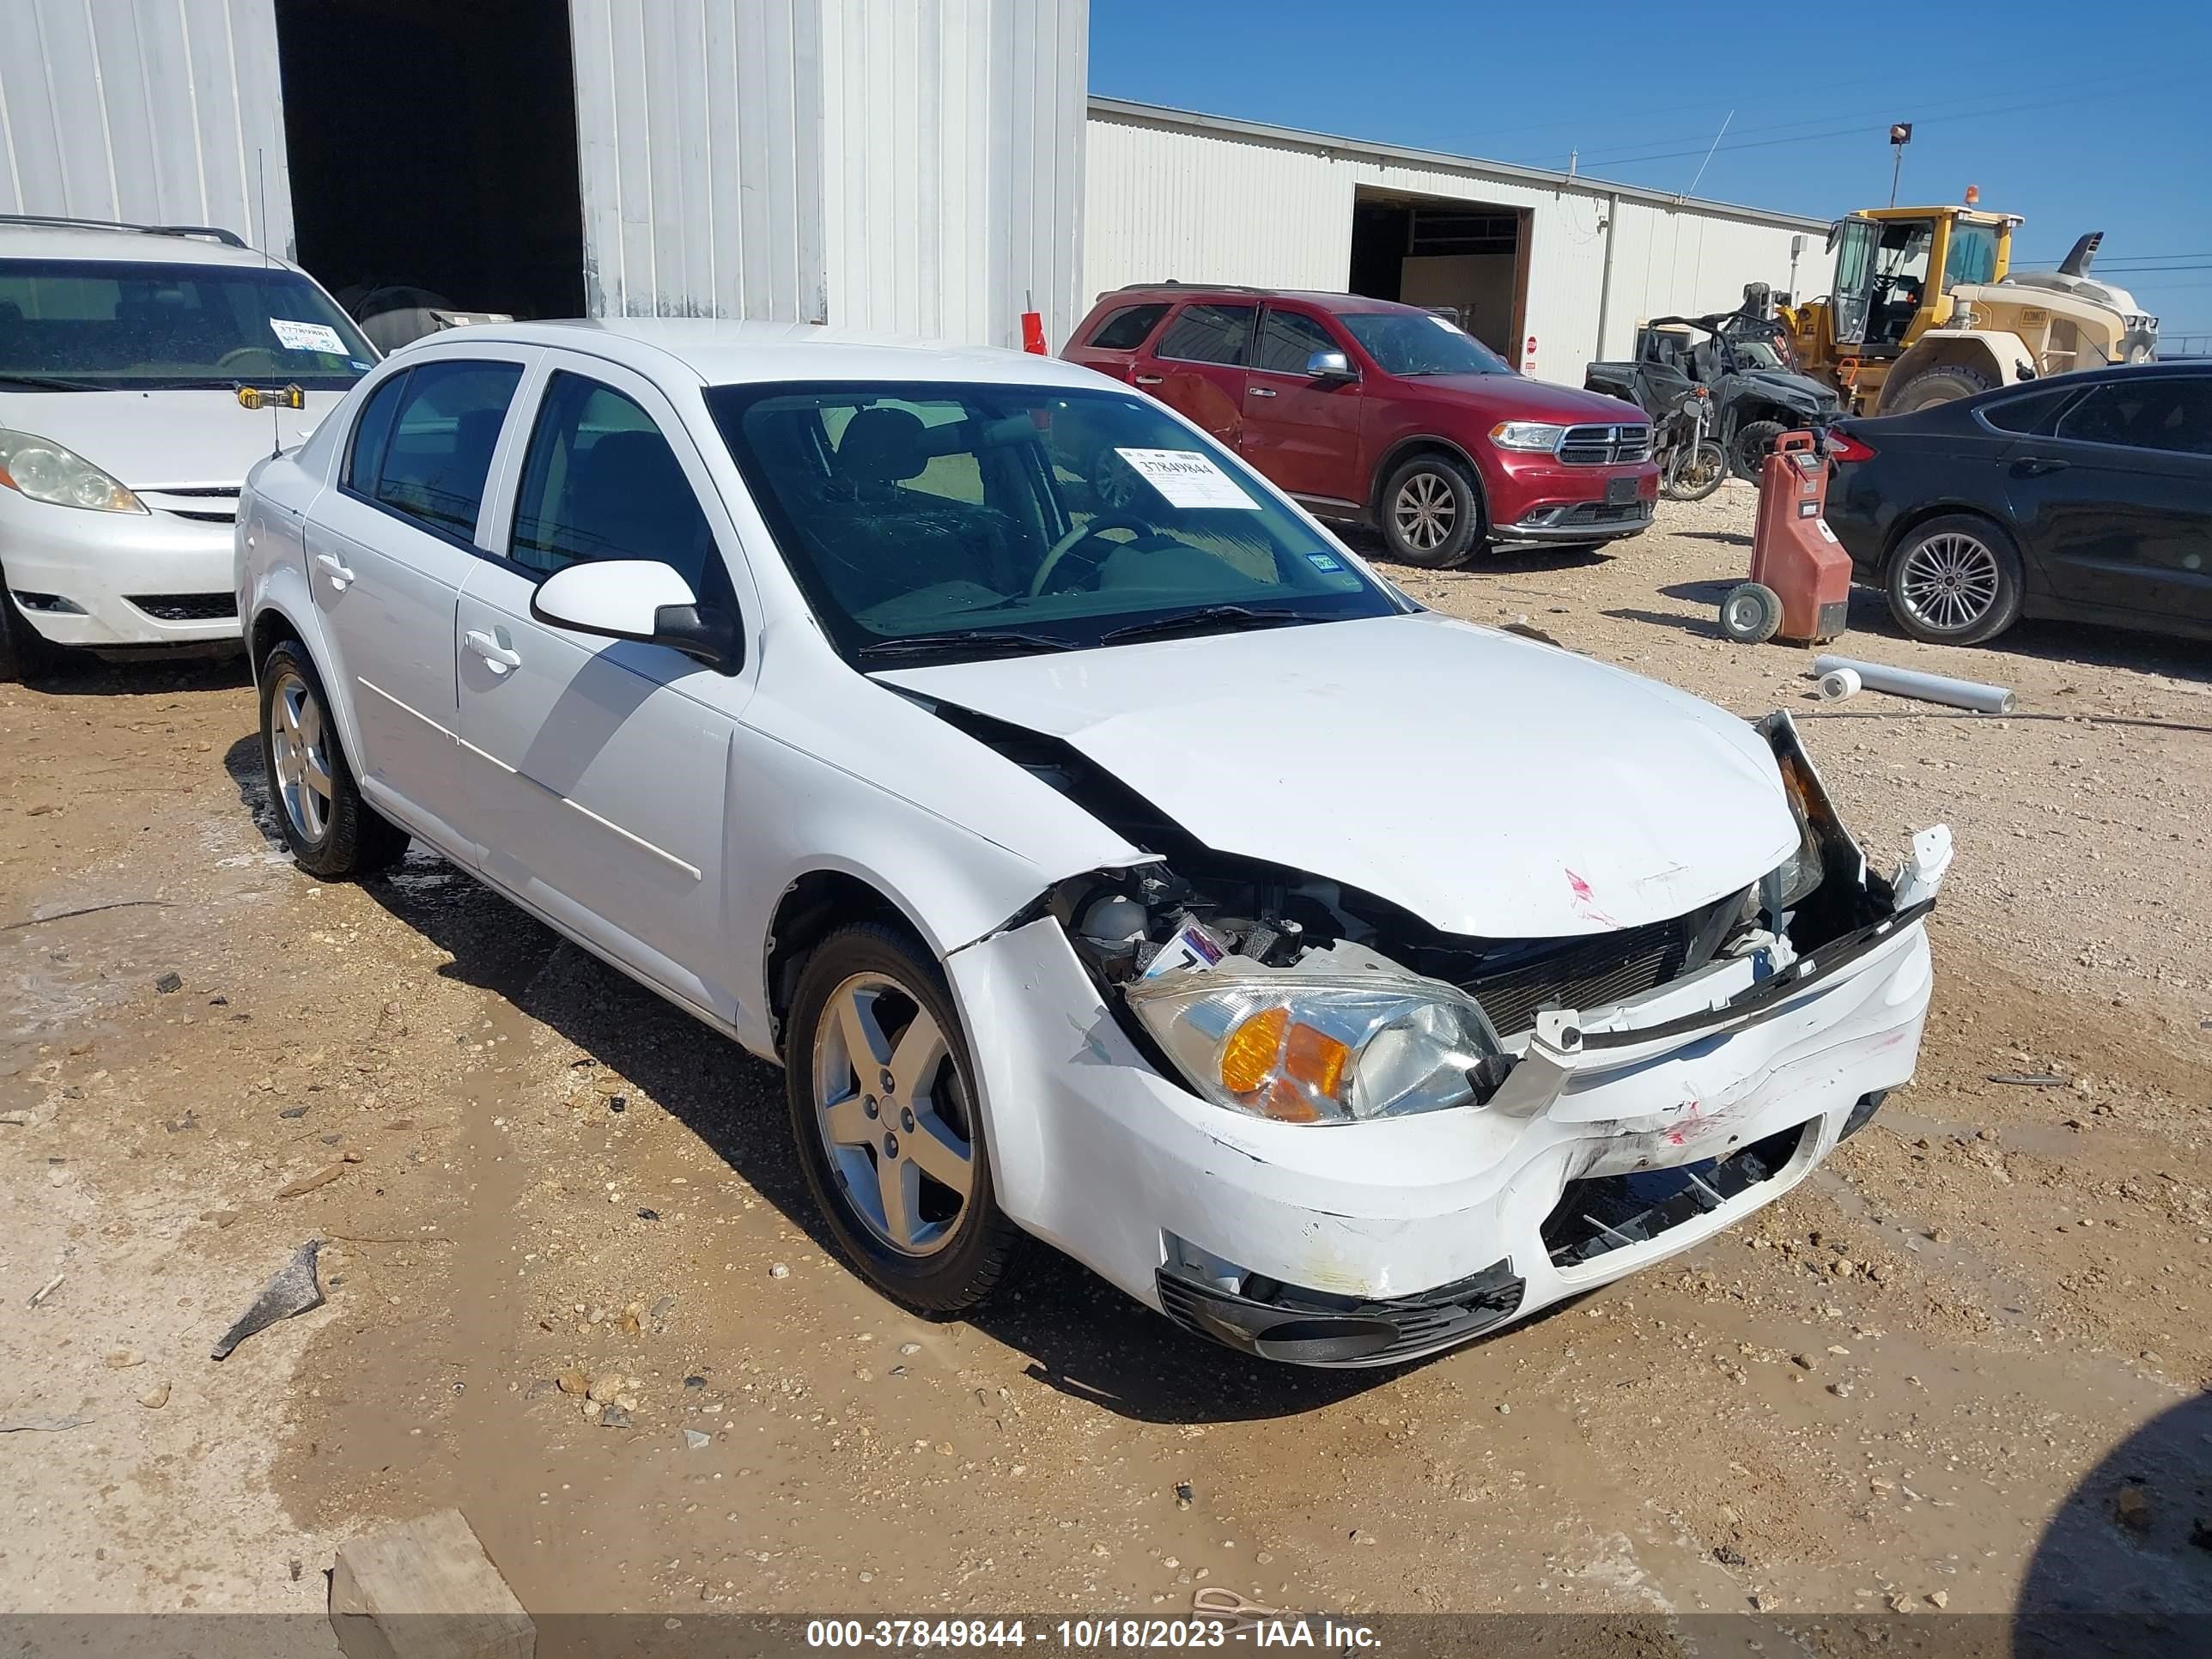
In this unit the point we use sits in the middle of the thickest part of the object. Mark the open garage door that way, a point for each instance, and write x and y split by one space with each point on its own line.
1470 260
432 145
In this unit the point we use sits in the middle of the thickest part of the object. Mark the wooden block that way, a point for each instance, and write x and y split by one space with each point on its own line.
425 1589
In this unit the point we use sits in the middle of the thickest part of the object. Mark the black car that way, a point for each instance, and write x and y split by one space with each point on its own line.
2087 497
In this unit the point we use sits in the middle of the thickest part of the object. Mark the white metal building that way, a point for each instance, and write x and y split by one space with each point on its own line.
1575 262
913 166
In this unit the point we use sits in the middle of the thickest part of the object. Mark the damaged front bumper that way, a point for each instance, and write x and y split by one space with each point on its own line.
1621 1135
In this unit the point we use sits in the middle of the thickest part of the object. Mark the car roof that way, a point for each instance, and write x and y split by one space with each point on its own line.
178 246
1320 299
727 352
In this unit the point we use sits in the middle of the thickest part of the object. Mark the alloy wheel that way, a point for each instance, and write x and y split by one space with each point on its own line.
1425 512
299 746
1949 582
894 1114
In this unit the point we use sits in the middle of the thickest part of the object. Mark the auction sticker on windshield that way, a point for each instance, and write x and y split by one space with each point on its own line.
307 336
1187 478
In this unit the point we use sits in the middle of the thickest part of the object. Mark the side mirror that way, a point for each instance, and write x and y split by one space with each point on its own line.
1329 366
640 600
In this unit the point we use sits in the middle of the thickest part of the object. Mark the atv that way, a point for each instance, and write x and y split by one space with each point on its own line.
1744 361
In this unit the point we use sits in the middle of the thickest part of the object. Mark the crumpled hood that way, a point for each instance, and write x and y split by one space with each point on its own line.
158 440
1491 785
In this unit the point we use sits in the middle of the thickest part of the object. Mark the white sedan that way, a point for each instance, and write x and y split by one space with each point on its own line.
1104 851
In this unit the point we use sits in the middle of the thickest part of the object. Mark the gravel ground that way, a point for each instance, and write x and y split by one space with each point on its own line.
1960 1368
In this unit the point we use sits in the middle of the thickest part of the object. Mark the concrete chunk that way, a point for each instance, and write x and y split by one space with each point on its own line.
425 1589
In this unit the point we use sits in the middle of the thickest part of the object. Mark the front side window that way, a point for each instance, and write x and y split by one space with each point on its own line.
1972 256
960 520
104 324
443 432
2174 415
1287 341
600 481
1128 328
1209 334
1417 343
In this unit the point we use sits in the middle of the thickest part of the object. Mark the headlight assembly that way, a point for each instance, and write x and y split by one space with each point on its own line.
45 472
1317 1047
1526 434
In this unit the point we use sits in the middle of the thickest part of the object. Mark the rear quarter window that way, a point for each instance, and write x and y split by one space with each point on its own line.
2029 413
1127 329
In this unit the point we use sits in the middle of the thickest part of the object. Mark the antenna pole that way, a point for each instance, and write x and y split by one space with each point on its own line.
261 171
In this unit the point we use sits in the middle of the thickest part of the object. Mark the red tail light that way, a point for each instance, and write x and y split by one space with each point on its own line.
1842 446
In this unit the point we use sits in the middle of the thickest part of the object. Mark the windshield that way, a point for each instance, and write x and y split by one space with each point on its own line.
101 325
948 521
1758 354
1419 342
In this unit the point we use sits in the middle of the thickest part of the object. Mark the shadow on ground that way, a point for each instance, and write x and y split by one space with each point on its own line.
1082 1336
80 674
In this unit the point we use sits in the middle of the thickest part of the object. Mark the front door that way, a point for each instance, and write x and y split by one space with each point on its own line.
601 766
1197 366
2116 503
387 551
1302 432
1852 292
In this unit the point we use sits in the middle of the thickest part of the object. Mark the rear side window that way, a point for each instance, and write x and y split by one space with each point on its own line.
600 481
444 429
2172 414
2031 413
1128 328
1287 340
1209 334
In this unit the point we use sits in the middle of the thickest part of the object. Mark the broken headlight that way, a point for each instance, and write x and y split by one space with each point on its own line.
1317 1048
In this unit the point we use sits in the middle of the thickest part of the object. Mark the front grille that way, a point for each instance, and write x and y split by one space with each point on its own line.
1605 445
186 607
1585 973
205 518
203 503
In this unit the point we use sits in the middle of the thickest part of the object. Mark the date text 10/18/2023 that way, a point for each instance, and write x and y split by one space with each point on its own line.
1257 1627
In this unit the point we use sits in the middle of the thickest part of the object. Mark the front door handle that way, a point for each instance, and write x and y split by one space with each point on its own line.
335 569
1263 391
1149 380
497 656
2035 467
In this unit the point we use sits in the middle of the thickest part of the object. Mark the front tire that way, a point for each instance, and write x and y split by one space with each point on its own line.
1698 475
1943 384
1753 440
1955 580
332 832
1431 513
885 1114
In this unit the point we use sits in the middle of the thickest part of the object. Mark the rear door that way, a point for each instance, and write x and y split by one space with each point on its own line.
2116 502
1301 432
387 551
599 768
1196 364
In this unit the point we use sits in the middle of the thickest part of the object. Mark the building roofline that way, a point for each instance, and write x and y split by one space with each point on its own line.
1368 149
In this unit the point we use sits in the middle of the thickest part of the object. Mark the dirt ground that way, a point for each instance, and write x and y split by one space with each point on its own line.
1962 1368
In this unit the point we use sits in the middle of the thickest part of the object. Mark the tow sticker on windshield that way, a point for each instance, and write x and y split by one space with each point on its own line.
307 336
1187 478
1446 324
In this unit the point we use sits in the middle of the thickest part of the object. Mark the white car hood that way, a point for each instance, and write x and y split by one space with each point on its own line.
164 440
1491 785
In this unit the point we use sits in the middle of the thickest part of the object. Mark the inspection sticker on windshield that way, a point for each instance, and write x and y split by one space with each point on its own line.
307 336
1187 477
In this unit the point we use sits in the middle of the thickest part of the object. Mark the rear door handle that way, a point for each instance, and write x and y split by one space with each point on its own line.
1148 380
499 657
1263 391
2034 466
335 569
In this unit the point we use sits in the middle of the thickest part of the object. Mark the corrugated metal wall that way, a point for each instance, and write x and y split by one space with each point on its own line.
908 166
1203 205
155 111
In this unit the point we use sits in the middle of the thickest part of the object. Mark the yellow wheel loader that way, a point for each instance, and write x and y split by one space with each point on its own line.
1925 307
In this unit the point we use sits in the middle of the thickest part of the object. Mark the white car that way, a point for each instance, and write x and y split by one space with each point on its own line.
1104 851
123 439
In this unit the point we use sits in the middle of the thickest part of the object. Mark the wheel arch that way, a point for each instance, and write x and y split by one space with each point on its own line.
813 905
1927 512
282 610
1424 443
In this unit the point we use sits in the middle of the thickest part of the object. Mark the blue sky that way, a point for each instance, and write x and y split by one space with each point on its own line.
2075 117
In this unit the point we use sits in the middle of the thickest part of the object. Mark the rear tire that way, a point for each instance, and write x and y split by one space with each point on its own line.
892 1140
1955 580
1754 439
1943 384
1431 513
332 832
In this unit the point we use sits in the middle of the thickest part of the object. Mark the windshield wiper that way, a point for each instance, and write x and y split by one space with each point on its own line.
49 383
976 639
1206 619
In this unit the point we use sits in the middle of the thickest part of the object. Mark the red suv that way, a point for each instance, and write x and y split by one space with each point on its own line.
1384 413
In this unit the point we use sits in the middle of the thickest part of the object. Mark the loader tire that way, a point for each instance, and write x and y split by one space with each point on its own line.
1946 383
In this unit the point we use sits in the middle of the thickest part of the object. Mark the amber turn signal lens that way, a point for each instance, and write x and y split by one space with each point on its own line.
1315 1060
1247 1057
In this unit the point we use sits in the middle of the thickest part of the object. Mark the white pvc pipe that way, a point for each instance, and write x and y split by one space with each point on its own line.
1838 684
1928 688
